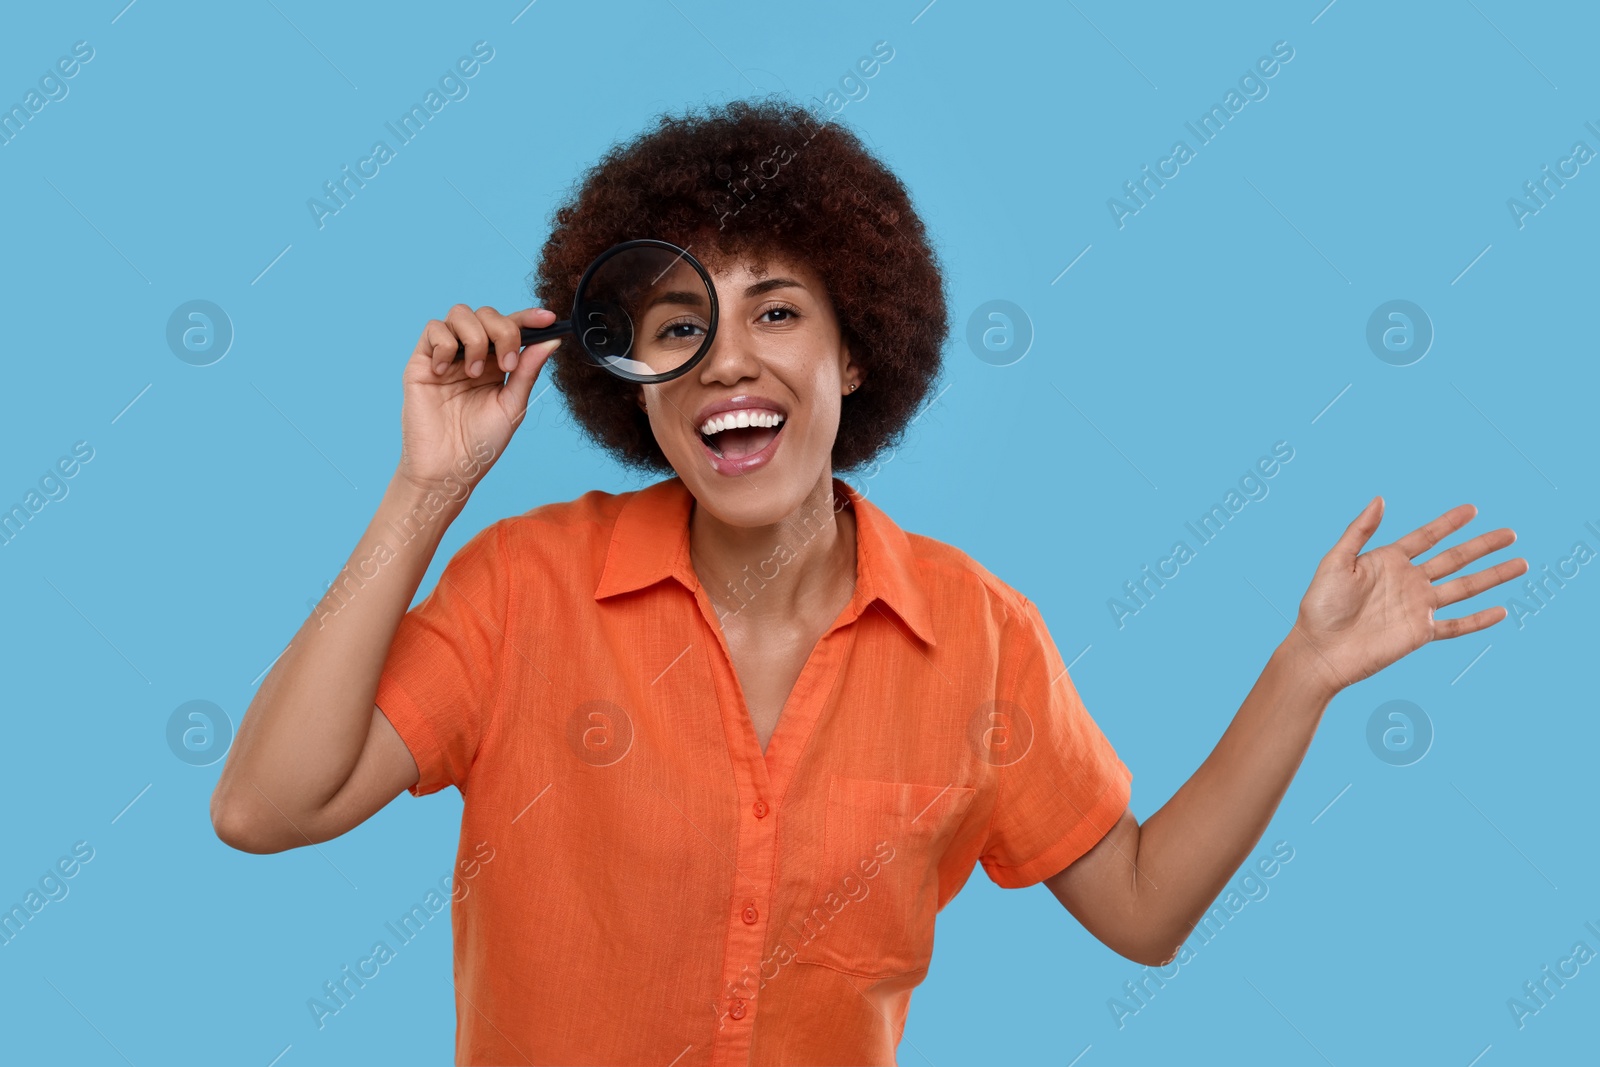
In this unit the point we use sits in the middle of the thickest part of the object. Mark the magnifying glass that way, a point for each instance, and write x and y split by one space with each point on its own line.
645 310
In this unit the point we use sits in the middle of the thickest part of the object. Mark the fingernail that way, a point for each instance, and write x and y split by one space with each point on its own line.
477 366
511 362
439 368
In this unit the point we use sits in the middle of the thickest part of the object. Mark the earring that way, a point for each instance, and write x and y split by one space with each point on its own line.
853 386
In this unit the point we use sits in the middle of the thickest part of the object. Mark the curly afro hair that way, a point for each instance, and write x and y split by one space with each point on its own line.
752 177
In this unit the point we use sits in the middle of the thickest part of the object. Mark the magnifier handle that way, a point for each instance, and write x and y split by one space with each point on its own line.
530 336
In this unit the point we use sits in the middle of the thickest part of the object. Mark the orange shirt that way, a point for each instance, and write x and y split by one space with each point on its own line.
659 891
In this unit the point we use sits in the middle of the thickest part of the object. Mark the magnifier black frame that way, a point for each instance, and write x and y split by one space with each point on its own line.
532 335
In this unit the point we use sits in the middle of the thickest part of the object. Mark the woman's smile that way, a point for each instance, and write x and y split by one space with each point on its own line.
741 433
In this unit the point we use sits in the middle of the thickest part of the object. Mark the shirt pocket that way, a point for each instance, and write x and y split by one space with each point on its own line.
877 889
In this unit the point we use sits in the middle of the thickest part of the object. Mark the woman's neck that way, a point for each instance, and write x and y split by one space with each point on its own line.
799 566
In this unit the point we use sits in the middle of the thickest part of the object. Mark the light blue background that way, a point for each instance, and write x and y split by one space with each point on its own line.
1226 315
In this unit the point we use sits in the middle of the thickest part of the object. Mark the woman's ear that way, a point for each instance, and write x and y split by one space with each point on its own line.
854 374
639 396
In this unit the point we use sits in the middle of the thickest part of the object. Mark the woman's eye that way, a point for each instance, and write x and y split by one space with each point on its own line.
788 313
679 330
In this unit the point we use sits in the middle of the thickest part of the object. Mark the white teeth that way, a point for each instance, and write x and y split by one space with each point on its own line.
744 417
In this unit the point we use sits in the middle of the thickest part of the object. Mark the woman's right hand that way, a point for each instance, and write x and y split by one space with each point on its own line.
458 417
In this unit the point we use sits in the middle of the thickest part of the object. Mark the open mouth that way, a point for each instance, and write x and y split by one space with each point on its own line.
742 434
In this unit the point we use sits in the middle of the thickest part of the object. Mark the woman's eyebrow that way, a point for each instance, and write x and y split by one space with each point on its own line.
770 284
676 296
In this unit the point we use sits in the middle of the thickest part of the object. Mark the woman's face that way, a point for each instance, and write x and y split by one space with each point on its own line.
779 365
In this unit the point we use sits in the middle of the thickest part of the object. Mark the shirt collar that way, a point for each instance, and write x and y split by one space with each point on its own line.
650 542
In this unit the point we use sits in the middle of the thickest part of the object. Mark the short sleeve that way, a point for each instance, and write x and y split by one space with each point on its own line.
441 677
1061 786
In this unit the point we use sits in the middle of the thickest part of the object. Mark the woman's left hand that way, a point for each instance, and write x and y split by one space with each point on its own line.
1363 612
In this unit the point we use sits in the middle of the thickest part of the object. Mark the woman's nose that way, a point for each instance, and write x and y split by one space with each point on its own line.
732 356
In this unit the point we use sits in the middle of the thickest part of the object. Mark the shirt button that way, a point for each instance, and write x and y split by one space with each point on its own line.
737 1010
749 914
760 808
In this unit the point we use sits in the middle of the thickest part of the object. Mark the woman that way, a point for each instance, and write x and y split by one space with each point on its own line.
728 743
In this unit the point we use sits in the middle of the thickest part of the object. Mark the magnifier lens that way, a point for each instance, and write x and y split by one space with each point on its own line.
644 311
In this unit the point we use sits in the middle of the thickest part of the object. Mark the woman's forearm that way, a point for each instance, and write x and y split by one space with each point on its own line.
304 731
1187 850
1142 889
